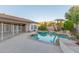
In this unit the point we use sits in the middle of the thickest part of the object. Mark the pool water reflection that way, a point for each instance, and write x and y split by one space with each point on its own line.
49 37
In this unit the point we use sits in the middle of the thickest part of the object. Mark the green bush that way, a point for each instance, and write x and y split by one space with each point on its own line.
68 25
43 28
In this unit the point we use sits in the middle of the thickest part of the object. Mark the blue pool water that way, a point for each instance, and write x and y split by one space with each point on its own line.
49 37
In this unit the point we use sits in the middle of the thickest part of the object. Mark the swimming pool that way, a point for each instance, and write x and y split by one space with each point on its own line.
48 37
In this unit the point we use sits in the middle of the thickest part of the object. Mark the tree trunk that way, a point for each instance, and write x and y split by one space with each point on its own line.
77 28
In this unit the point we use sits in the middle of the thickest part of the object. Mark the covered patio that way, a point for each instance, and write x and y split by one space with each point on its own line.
8 30
12 25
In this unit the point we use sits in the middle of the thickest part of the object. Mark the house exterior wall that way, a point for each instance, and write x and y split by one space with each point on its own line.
31 27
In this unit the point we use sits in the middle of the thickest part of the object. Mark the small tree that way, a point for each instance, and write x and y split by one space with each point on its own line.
68 25
73 14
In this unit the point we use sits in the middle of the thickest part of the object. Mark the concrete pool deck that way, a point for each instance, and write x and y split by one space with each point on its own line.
23 44
69 46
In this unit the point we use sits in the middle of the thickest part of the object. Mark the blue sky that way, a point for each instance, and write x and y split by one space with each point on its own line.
37 12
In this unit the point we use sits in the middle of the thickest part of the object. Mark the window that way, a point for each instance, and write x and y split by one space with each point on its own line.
32 27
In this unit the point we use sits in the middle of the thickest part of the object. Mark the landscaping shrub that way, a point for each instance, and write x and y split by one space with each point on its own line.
68 25
43 28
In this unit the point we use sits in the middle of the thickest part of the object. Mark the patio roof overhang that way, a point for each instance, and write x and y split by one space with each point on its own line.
13 19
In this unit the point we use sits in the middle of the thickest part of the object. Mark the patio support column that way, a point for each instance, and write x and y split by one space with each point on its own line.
13 29
2 31
27 27
17 29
